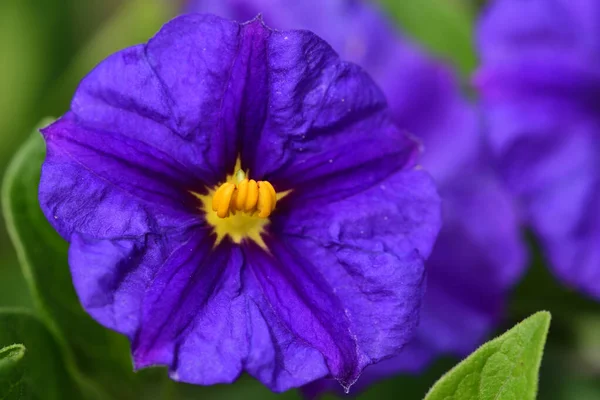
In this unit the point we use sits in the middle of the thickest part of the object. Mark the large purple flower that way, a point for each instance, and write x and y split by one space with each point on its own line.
314 270
479 254
540 84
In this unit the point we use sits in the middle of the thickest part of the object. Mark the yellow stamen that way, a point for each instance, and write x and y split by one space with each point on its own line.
249 196
217 197
252 197
242 194
240 207
272 192
222 199
265 200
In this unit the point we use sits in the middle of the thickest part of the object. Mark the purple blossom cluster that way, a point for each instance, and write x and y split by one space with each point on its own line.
241 194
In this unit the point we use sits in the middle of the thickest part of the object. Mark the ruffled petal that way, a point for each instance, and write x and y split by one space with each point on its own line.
305 112
108 186
422 93
473 265
366 257
111 276
147 126
176 94
207 318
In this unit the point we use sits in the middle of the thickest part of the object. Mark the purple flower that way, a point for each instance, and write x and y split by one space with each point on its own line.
540 85
479 254
315 269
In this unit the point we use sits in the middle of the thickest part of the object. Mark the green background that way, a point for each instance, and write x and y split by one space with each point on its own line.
47 46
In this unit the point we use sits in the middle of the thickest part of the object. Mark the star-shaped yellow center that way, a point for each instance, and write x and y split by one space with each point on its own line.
240 207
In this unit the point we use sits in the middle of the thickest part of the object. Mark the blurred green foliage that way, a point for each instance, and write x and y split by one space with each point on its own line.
444 27
47 46
38 370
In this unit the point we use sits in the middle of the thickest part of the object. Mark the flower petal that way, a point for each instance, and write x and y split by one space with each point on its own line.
175 94
414 359
366 257
206 304
109 186
111 276
319 112
473 265
545 155
477 258
106 186
512 29
420 91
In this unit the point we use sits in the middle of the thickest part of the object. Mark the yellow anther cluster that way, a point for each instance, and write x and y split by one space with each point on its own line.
248 196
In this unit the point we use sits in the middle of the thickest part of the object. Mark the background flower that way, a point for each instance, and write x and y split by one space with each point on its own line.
539 83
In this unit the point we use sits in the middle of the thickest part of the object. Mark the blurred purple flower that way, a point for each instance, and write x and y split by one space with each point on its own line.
479 254
327 284
540 84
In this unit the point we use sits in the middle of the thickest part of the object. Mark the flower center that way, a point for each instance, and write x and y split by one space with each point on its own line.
240 207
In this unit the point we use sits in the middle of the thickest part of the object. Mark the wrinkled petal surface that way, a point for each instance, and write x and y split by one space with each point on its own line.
111 275
478 257
316 111
207 317
541 90
363 34
153 122
106 185
368 249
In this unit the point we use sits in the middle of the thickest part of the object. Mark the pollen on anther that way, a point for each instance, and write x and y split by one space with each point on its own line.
245 195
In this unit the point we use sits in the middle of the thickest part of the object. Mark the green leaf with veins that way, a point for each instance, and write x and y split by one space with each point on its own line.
505 368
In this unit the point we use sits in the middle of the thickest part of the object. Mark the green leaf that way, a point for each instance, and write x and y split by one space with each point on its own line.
12 372
445 27
11 355
98 356
502 369
34 369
